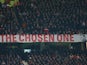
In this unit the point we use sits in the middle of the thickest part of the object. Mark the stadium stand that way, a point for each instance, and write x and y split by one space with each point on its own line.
56 59
40 17
31 16
10 59
59 55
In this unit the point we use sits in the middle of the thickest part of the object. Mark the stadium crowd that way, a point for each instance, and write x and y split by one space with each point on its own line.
56 59
63 57
40 17
44 16
10 59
